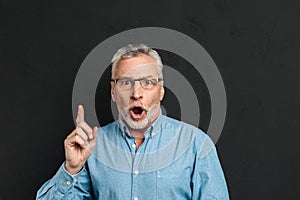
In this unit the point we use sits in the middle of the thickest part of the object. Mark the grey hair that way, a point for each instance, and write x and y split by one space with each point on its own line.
133 50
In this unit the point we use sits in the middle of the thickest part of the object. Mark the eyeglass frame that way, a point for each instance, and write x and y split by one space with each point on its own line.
138 79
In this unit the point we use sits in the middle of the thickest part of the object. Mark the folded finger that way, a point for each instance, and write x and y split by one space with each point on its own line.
75 138
87 129
82 133
95 131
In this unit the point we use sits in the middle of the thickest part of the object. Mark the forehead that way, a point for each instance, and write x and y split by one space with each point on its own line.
139 66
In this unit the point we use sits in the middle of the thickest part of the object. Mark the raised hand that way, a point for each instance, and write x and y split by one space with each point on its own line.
79 144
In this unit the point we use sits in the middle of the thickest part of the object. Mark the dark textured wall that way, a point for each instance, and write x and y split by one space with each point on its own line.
255 45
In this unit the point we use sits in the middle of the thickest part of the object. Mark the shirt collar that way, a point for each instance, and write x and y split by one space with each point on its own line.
154 129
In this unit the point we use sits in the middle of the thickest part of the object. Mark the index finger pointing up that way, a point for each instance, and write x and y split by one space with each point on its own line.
80 115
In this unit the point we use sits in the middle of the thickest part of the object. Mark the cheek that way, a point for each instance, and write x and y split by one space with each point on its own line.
154 98
122 99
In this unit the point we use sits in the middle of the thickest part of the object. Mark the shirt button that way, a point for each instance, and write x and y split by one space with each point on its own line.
135 198
133 146
68 182
136 172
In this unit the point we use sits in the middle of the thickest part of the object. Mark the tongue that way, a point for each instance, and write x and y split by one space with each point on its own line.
137 113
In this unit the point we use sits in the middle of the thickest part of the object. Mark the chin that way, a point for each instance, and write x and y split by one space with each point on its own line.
140 124
137 125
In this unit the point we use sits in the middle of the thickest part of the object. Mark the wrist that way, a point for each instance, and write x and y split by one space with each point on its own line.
73 169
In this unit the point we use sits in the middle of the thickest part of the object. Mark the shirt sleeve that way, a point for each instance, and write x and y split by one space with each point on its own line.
63 185
208 181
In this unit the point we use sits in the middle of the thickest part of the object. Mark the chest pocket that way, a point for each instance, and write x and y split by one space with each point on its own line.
174 182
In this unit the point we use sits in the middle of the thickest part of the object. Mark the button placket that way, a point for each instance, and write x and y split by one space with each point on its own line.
133 146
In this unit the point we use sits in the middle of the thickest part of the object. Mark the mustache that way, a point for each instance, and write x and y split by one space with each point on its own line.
130 106
135 104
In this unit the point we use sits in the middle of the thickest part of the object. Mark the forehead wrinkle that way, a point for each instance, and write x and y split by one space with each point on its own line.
139 71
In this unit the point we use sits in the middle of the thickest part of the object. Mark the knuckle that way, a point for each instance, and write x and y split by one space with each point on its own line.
79 124
77 138
66 141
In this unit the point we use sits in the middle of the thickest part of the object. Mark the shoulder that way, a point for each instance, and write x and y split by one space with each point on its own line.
110 128
182 127
111 125
200 139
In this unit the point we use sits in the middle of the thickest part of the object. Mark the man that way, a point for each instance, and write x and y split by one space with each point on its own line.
144 154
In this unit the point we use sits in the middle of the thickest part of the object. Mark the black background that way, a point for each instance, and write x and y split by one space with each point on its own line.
255 45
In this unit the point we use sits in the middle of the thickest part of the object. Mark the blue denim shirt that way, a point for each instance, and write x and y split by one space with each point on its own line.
175 161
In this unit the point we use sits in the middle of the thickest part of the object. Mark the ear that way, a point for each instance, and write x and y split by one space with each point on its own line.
112 91
162 92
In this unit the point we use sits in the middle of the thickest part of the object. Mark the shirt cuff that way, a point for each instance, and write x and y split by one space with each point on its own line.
65 182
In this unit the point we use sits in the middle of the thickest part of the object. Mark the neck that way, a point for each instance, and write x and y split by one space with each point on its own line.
138 134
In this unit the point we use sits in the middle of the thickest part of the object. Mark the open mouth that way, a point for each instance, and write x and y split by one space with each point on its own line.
137 112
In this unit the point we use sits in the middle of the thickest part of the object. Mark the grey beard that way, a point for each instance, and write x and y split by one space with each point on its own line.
141 124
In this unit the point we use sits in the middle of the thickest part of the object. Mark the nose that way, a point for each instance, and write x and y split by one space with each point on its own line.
137 91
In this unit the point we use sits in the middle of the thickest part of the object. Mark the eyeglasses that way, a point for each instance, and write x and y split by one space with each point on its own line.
128 83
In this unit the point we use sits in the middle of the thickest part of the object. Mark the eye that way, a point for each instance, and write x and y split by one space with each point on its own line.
148 82
125 82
